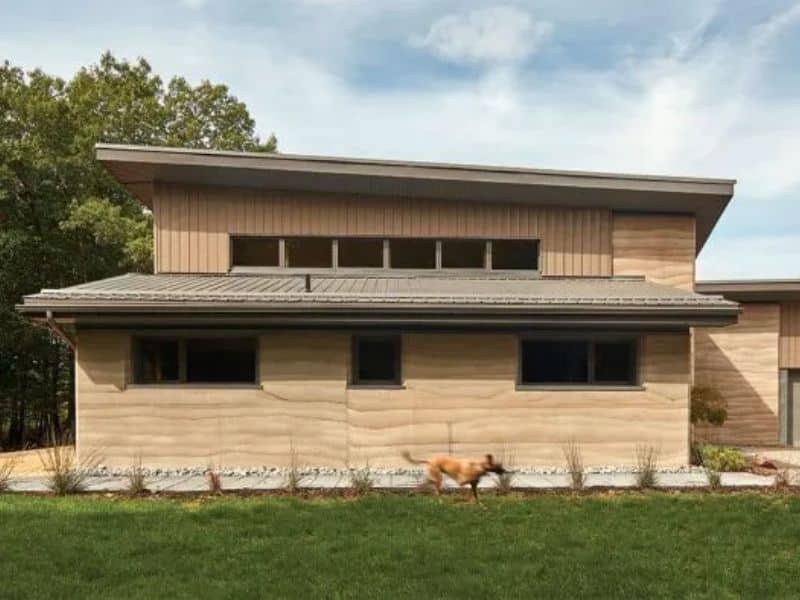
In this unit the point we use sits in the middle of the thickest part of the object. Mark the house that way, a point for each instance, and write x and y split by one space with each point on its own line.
755 364
342 311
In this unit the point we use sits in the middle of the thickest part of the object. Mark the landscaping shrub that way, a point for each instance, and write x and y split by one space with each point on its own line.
574 460
361 480
724 459
708 406
714 478
137 480
7 467
214 481
647 466
65 475
294 478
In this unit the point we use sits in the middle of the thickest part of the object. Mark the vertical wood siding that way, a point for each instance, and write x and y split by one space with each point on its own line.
660 247
193 225
459 397
741 361
790 336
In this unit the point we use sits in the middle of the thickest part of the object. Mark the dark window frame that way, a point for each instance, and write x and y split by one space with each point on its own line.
182 340
635 364
397 342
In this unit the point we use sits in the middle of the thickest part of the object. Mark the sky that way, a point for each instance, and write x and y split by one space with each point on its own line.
685 87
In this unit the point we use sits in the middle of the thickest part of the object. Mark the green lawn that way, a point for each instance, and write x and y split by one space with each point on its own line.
629 545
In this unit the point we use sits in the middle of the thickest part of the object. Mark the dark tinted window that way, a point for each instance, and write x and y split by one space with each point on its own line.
376 360
157 361
355 252
413 254
220 361
596 362
463 254
545 361
614 362
309 253
255 252
515 254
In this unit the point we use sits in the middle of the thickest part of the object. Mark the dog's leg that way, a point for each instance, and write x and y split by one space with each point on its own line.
435 477
474 486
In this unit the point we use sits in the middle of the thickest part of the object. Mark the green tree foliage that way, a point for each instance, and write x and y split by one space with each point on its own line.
64 220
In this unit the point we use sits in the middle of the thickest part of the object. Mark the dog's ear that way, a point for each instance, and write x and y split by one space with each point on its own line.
489 459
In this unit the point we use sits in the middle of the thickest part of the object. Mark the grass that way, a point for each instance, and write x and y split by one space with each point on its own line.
700 545
65 474
574 459
646 466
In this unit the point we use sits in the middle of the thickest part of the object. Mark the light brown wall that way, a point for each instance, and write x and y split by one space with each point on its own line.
192 225
790 336
459 396
741 361
660 247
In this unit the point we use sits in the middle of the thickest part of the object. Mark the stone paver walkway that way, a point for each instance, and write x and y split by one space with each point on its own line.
524 481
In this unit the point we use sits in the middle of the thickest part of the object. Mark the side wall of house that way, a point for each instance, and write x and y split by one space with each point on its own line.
790 336
459 396
741 361
193 225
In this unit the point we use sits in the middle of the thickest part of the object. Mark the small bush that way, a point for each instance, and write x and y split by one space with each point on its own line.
361 480
708 406
137 479
65 475
7 467
714 479
574 460
647 466
294 478
214 481
783 478
724 459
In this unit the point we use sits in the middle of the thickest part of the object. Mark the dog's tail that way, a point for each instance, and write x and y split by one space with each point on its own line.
413 461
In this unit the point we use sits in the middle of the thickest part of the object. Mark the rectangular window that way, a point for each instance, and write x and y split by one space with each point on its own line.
195 360
360 252
309 253
255 252
412 253
156 361
515 254
578 361
376 360
463 254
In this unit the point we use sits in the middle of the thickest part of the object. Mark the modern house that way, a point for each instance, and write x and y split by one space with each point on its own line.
755 364
347 310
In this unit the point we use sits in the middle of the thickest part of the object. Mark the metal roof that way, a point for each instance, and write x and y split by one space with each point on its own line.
378 289
139 167
753 290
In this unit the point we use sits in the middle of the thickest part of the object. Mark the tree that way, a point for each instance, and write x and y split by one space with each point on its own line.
64 220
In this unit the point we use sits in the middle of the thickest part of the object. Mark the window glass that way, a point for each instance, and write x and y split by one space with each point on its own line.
359 252
547 361
614 362
220 361
157 361
255 252
463 254
515 254
309 253
413 253
376 360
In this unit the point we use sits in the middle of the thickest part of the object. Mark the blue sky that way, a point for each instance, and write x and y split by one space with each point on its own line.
683 87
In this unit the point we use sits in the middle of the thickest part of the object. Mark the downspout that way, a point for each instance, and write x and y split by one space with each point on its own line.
55 328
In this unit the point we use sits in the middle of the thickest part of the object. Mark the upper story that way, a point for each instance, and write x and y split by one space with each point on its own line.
220 212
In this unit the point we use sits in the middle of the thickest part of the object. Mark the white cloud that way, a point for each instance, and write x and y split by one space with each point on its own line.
499 34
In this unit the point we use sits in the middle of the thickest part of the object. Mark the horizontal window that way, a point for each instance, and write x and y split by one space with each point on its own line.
359 252
195 360
255 252
515 254
309 253
578 361
463 254
412 253
376 360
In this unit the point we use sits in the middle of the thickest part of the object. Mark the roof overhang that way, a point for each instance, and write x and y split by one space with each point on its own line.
140 167
753 290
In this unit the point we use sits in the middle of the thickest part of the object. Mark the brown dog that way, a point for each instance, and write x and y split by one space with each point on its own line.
463 472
